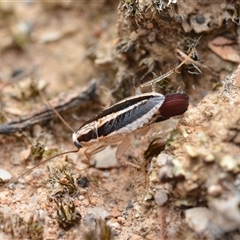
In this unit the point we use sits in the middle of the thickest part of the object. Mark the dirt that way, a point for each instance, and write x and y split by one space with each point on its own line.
187 186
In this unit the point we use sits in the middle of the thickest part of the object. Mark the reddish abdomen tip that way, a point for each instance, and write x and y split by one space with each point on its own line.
174 104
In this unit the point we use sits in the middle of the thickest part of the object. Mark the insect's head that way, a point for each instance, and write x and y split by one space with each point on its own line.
75 141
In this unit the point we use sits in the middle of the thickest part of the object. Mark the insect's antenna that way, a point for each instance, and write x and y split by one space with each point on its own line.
185 58
55 111
44 161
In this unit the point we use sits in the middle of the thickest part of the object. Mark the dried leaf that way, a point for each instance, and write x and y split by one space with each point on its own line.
224 48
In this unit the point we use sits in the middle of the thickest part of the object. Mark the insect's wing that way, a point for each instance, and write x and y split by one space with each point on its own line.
121 118
133 117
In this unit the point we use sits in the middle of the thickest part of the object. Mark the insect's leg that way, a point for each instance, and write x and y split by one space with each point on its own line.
141 132
122 148
89 152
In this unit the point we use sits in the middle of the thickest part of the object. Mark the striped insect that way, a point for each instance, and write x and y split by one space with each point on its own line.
131 116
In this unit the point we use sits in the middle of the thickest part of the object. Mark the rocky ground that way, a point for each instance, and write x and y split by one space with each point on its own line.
188 183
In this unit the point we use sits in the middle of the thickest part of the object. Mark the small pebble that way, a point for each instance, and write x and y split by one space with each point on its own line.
200 19
121 220
37 173
150 25
162 159
152 37
115 212
210 158
4 196
161 197
136 237
5 175
106 159
214 190
153 176
191 151
83 182
197 218
24 154
106 174
148 197
228 162
133 36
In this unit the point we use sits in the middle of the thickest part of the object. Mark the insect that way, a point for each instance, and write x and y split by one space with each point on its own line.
131 116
